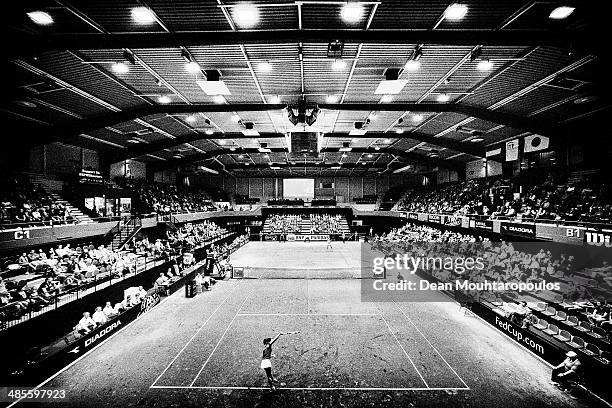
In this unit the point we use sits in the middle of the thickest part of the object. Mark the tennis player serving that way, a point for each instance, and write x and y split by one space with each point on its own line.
266 364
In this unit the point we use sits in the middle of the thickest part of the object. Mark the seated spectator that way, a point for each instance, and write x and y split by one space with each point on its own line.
567 371
108 311
85 325
99 317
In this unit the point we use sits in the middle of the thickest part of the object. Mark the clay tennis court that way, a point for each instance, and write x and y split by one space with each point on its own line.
206 351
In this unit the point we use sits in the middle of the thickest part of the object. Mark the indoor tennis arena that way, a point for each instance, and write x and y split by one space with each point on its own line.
309 203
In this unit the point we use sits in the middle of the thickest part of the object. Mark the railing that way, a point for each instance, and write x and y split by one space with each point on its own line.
557 223
8 227
101 281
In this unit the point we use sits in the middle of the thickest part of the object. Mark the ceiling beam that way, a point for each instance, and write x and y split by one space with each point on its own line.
41 43
142 149
463 147
67 130
411 156
302 165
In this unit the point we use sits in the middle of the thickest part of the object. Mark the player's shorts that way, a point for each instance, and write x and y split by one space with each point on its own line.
266 363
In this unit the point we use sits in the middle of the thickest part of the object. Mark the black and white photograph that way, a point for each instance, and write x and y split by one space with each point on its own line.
306 204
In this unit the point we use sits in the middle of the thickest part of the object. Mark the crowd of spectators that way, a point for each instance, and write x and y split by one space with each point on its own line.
103 315
169 199
62 269
65 268
550 197
503 261
193 234
27 205
283 224
328 224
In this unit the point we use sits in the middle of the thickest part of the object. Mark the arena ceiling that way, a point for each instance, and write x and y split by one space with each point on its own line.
124 77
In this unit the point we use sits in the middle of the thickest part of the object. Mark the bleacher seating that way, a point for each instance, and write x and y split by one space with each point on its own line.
534 195
169 199
23 204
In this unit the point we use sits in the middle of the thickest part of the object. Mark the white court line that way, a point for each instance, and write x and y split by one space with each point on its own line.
403 349
307 314
185 387
222 336
195 334
432 346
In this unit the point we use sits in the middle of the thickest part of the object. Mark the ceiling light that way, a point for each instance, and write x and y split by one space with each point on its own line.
339 65
370 156
476 140
412 66
485 65
221 142
386 99
387 140
245 15
443 98
352 12
332 98
376 148
357 132
28 104
265 66
399 131
236 118
192 67
209 131
164 99
233 149
120 67
372 116
178 156
455 12
240 156
40 18
250 132
190 119
276 99
561 13
392 87
219 99
142 15
344 155
213 87
417 118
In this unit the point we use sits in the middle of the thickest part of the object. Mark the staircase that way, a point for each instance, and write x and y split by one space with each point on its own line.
305 226
125 230
344 227
54 188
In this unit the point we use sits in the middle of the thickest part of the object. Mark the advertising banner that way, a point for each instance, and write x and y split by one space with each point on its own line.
518 229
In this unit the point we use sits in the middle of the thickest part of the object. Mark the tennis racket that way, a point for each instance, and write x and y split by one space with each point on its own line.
293 332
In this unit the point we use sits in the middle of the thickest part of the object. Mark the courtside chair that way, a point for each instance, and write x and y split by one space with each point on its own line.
541 325
550 311
552 330
560 316
540 306
577 343
584 327
561 302
564 336
600 334
572 321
